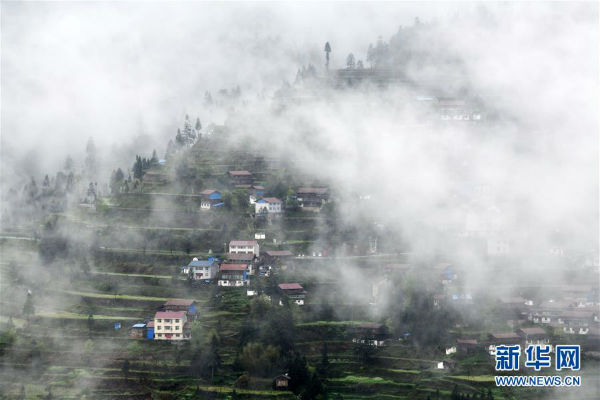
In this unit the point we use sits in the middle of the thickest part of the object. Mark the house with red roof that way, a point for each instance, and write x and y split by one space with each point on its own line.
171 325
294 292
240 177
233 275
186 305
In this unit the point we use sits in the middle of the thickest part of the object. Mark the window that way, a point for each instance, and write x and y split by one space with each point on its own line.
167 320
158 320
158 328
177 320
160 335
177 328
177 335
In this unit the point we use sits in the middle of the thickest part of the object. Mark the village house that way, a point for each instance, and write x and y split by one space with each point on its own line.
242 258
233 275
137 330
370 333
277 257
255 192
268 206
210 198
201 269
534 336
502 338
312 198
240 178
186 305
171 325
244 247
452 109
577 321
446 273
466 345
293 292
281 382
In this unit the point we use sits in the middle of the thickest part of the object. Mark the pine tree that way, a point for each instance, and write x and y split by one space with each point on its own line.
198 124
323 366
91 162
327 51
350 62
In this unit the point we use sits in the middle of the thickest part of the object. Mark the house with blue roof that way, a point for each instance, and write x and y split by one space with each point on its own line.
211 198
201 269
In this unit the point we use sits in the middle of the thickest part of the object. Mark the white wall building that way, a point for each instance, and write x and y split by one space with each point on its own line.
170 325
271 204
244 247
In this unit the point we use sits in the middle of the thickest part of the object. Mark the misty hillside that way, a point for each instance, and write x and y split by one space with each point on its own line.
299 201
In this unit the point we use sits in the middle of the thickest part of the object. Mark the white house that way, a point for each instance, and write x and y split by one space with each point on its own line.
272 205
244 247
201 269
170 325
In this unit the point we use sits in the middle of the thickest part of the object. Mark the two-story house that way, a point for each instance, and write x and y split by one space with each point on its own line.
312 198
240 178
201 269
171 325
233 275
268 205
293 292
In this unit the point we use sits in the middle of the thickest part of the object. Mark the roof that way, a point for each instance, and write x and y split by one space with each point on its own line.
533 331
290 286
258 187
233 267
139 326
150 324
279 253
243 243
208 191
315 190
179 302
170 314
466 341
240 256
200 263
504 335
444 101
270 200
239 173
577 314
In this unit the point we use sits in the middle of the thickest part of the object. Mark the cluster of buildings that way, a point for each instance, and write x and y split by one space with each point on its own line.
172 322
243 260
308 198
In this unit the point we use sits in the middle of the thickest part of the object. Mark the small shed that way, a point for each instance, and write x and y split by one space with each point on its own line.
137 330
150 330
